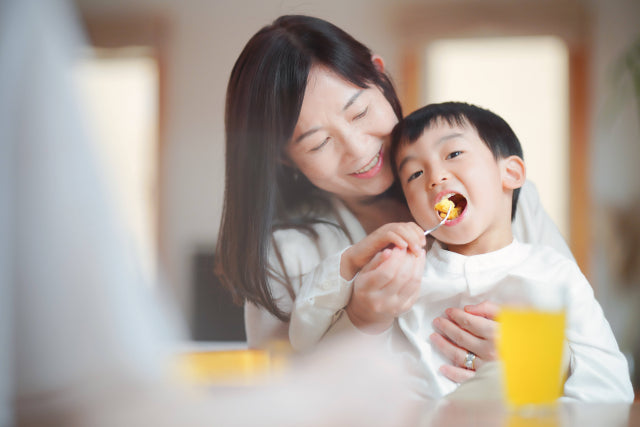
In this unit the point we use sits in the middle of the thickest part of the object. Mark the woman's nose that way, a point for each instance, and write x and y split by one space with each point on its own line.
354 143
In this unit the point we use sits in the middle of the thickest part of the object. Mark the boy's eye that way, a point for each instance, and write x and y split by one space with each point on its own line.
454 154
322 144
361 114
414 176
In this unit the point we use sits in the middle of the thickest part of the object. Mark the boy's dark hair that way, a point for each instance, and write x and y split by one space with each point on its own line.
492 129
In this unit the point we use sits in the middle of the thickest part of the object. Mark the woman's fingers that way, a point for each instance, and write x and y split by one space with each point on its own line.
393 285
416 238
411 288
456 354
376 299
486 309
381 270
464 331
455 374
405 235
477 325
461 337
377 260
464 340
453 352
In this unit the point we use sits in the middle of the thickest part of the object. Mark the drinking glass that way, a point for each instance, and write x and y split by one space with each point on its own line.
531 342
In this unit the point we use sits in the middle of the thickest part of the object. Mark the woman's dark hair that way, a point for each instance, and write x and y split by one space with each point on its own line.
492 129
264 98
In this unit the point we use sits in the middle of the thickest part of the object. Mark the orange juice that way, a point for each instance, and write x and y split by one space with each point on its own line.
530 346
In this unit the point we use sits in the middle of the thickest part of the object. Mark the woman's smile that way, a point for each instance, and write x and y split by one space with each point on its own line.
372 168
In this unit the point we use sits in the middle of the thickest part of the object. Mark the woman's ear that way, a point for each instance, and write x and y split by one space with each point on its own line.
513 172
378 62
285 160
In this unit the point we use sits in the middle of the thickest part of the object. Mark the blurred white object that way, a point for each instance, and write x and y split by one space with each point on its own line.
79 310
82 342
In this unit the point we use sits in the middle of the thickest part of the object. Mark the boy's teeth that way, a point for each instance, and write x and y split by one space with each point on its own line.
371 164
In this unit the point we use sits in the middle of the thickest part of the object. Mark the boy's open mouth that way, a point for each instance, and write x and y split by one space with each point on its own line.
454 200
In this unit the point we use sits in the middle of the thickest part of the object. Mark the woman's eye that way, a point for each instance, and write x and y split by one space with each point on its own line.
454 154
362 114
414 176
322 144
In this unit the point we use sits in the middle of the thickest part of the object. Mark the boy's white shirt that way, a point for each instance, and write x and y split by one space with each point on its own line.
320 293
598 370
317 294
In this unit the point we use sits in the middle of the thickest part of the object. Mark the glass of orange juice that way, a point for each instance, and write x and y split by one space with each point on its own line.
531 342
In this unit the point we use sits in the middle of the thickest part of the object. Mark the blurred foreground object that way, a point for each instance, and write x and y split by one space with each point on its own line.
82 341
447 413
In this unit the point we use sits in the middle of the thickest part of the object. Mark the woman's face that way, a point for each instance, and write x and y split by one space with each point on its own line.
341 139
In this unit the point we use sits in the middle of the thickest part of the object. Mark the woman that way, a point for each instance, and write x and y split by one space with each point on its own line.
308 117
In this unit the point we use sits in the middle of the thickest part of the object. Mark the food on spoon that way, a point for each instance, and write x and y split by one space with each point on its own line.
442 207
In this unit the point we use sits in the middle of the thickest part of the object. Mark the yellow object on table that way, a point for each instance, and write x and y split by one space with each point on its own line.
229 367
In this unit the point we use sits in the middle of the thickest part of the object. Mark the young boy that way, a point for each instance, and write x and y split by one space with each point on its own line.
471 157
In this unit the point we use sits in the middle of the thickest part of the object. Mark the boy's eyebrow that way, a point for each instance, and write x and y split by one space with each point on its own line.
439 141
449 136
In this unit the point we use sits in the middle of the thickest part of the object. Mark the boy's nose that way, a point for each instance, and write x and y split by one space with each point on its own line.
437 178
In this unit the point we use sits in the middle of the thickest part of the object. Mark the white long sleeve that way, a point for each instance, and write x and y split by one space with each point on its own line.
599 371
315 291
321 293
533 225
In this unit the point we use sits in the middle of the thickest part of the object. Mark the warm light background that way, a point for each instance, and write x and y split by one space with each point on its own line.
525 81
195 44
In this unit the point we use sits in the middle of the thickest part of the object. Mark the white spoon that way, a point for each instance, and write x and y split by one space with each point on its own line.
431 230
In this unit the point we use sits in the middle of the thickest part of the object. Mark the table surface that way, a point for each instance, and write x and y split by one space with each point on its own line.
494 414
475 403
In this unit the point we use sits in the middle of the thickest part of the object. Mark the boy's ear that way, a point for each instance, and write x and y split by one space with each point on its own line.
513 173
378 62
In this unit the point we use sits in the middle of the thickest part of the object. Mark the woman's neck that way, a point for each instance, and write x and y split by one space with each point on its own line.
373 214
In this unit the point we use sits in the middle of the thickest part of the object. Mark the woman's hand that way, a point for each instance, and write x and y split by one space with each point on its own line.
385 288
461 331
403 235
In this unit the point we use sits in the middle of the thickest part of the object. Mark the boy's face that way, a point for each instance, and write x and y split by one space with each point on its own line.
453 162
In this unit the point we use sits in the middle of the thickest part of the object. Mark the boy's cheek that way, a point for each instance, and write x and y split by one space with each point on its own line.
419 207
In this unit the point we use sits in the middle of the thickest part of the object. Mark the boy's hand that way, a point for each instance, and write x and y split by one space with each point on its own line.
385 288
403 235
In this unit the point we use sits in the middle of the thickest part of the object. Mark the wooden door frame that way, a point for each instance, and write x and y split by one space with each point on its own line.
114 31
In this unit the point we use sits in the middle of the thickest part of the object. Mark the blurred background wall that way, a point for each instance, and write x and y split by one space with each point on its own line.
186 50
